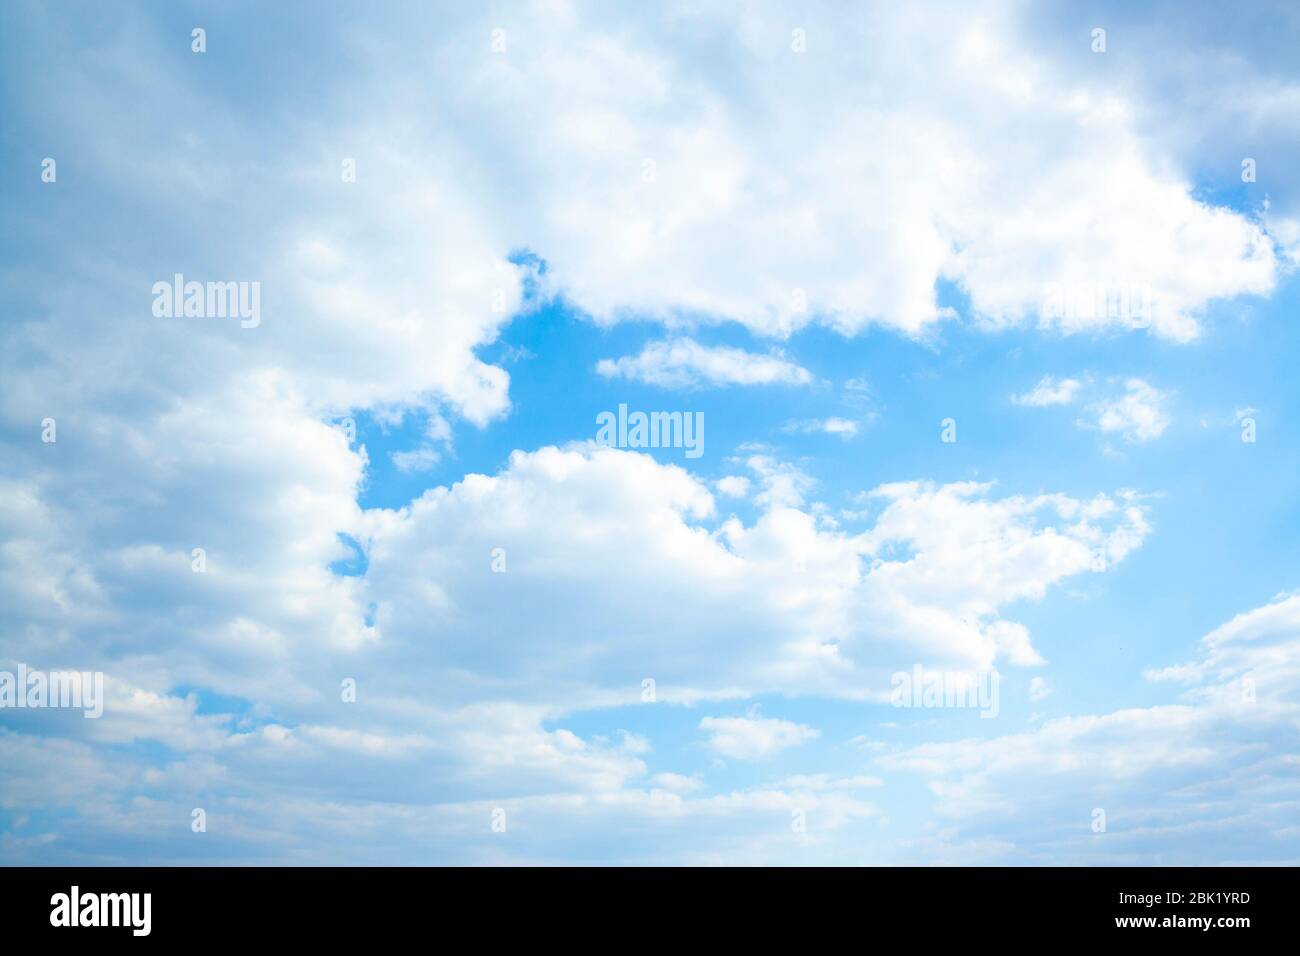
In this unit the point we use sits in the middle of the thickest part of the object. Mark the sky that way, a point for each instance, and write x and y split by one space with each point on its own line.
984 323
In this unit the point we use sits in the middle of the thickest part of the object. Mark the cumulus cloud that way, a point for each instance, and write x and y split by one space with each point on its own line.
780 482
684 362
732 486
1139 414
666 179
614 545
1050 391
834 227
753 737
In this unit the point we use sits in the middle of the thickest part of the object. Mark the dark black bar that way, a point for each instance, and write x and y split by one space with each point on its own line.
962 905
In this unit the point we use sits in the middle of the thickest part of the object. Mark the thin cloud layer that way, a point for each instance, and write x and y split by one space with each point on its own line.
1203 778
684 363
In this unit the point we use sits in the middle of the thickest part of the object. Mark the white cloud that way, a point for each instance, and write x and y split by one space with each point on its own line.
783 484
613 561
613 545
281 795
377 295
821 782
754 737
676 782
843 427
1039 688
437 431
1193 781
683 363
1050 391
743 221
733 486
906 181
1139 414
419 459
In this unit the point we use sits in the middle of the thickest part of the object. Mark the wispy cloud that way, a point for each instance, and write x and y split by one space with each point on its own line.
685 363
843 427
1050 391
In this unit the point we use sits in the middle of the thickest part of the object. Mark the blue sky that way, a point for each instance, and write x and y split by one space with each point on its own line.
827 233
